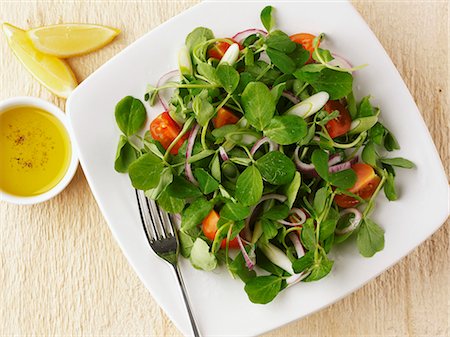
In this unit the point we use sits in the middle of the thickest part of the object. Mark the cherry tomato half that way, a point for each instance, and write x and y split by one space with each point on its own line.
340 125
306 40
365 185
209 228
219 48
224 117
164 129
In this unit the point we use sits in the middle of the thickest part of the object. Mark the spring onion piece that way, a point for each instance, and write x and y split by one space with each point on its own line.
231 55
184 61
310 105
354 223
362 124
277 257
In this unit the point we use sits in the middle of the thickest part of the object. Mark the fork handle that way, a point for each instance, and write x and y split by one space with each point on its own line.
186 300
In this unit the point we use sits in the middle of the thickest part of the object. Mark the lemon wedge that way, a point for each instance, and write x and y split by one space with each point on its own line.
67 40
52 72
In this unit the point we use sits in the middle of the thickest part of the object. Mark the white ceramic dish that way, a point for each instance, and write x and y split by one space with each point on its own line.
219 302
13 102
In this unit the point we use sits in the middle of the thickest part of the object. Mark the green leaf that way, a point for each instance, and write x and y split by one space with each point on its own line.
203 110
389 187
277 212
320 198
291 190
267 18
195 213
351 105
206 182
308 235
263 289
337 84
377 133
145 172
240 269
258 104
390 143
369 154
286 130
280 41
320 269
130 115
228 77
164 181
170 204
183 189
365 109
125 155
215 168
276 168
186 244
197 36
234 211
249 186
328 226
370 238
270 230
324 54
398 162
277 91
300 55
245 78
281 61
303 263
201 258
343 179
208 71
319 159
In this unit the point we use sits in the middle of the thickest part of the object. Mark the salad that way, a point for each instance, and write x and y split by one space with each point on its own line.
263 154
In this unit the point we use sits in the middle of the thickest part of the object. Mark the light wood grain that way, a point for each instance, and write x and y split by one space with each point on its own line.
61 272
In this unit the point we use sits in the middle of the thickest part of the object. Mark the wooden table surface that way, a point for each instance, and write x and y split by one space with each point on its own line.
62 273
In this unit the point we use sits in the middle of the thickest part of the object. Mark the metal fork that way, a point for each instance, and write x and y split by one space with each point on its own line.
163 240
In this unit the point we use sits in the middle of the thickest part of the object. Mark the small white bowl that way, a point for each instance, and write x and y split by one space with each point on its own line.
22 101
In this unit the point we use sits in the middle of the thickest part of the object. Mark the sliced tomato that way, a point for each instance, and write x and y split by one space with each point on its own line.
340 125
209 228
164 129
365 185
224 117
219 48
307 41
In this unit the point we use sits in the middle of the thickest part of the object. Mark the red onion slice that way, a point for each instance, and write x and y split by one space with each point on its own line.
248 261
272 145
300 214
190 146
223 154
290 96
297 244
164 95
246 230
335 159
339 61
353 223
307 169
241 36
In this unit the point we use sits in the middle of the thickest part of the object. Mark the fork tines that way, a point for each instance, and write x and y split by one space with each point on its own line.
157 224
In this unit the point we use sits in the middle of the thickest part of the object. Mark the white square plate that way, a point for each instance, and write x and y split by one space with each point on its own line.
219 302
